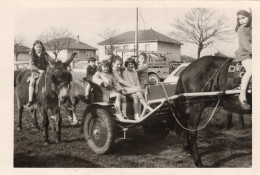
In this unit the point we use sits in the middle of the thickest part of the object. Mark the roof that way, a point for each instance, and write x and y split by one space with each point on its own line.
19 48
70 43
143 36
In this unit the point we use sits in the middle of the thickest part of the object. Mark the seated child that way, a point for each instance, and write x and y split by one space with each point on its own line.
91 70
106 79
131 77
39 63
142 70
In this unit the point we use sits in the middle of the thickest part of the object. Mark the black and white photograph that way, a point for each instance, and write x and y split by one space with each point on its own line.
151 84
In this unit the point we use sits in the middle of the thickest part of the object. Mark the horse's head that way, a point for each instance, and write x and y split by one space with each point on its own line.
61 78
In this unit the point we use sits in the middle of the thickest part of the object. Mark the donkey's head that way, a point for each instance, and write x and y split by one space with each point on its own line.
61 78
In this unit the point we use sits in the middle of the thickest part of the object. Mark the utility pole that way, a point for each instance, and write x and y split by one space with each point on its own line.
136 33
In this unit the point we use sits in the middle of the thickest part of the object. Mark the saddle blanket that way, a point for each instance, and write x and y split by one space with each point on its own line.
235 73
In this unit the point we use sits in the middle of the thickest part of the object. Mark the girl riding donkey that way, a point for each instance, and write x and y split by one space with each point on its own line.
106 79
244 52
39 63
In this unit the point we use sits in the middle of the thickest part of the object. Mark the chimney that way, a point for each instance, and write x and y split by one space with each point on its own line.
77 38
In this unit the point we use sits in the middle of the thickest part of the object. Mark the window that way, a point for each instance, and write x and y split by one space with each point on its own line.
147 47
89 54
125 47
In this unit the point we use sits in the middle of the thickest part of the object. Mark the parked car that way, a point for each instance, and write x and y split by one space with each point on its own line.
174 76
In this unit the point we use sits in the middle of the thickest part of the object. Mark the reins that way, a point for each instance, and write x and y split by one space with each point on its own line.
173 112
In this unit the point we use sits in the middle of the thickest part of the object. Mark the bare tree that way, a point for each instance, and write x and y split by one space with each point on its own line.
19 42
202 27
55 39
108 35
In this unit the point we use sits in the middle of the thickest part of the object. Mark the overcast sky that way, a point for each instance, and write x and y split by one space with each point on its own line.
88 23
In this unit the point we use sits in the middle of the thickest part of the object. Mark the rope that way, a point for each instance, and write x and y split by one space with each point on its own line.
193 130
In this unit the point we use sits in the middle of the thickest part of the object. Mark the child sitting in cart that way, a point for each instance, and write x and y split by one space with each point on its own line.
142 70
130 76
91 70
107 80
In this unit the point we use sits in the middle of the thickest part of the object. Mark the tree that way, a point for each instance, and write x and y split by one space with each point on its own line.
108 35
19 42
55 39
202 27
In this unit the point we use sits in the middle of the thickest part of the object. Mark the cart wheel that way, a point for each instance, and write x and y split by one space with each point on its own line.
153 79
99 131
157 130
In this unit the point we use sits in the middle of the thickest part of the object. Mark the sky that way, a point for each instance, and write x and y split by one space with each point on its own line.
88 23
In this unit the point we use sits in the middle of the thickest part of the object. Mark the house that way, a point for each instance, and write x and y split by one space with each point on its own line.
148 40
67 46
21 52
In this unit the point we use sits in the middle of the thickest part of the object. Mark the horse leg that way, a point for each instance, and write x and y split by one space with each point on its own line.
20 115
58 125
241 120
229 119
195 114
34 119
45 124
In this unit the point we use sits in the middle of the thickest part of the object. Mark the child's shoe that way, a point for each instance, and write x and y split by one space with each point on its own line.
136 117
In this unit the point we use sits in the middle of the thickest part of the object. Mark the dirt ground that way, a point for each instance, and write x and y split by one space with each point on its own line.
218 147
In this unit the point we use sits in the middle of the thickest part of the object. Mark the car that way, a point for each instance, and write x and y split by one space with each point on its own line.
174 76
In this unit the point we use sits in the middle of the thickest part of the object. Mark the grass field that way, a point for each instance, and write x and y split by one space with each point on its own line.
218 147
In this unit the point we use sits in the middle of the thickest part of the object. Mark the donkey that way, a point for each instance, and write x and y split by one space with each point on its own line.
53 90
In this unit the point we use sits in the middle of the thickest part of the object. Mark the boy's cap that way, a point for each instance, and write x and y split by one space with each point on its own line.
91 59
105 63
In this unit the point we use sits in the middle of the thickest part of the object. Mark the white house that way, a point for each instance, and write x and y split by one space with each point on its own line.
148 40
21 53
68 46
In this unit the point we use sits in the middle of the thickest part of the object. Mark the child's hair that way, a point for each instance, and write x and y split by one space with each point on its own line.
130 60
116 58
106 63
145 56
247 14
91 59
34 44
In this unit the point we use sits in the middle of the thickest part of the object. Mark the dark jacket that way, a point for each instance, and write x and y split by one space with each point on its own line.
245 43
90 72
39 62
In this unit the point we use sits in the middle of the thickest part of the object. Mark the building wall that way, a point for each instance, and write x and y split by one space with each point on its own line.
152 46
22 57
173 51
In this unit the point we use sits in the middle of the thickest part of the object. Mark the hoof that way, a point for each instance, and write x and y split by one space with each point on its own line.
46 143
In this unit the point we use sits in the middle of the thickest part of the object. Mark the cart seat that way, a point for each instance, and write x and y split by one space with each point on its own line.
157 92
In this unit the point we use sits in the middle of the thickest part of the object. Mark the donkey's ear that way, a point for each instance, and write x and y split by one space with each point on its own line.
70 59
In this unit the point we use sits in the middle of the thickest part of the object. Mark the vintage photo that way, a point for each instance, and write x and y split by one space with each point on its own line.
132 87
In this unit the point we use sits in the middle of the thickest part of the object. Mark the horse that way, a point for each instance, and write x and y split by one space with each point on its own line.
53 90
206 74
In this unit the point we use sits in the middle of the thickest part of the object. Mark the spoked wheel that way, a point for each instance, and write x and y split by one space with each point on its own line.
153 79
157 130
99 131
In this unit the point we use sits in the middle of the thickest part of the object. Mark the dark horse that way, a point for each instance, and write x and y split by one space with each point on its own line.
206 74
53 90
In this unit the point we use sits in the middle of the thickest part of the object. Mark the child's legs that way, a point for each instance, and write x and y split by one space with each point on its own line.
246 78
141 98
31 88
135 103
87 88
118 103
124 104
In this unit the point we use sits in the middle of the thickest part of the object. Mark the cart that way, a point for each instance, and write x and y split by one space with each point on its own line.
101 127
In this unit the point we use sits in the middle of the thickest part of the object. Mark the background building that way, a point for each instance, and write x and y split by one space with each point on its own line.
148 40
